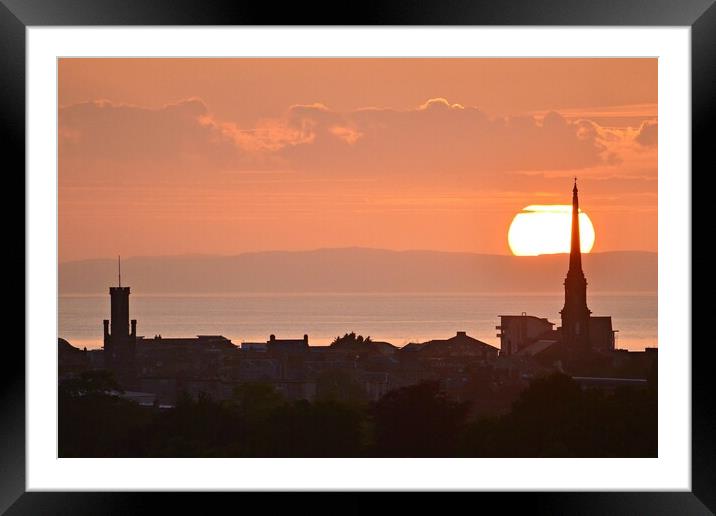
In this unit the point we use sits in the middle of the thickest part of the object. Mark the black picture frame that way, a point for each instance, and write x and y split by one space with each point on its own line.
17 15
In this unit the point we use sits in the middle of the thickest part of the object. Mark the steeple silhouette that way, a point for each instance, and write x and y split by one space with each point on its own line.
575 314
575 253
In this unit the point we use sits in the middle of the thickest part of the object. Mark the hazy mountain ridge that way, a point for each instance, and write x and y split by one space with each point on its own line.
358 270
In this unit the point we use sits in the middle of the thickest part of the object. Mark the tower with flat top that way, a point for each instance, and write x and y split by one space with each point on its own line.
119 340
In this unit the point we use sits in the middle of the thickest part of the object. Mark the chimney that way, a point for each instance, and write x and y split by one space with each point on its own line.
462 334
272 337
134 327
305 339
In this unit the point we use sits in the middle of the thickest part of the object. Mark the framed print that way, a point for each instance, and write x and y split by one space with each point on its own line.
407 250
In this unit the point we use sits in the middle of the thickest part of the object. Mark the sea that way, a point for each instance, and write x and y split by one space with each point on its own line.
395 318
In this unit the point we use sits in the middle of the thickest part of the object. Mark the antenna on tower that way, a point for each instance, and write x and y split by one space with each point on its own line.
119 269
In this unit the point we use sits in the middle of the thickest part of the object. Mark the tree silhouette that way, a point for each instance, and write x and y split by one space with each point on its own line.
417 421
90 383
553 417
351 340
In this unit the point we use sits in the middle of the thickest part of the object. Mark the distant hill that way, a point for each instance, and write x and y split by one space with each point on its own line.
359 270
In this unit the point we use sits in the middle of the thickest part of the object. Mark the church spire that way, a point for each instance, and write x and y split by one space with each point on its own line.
575 314
575 252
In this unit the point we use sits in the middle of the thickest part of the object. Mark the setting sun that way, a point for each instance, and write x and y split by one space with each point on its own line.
546 229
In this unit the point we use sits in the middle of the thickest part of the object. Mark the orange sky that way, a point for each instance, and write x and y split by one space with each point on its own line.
221 156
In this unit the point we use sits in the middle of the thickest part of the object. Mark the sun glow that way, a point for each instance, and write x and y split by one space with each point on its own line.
546 229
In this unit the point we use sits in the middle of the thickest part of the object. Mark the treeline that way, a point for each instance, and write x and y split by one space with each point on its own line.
553 417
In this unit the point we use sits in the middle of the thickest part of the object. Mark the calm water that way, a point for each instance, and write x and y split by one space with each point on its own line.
397 318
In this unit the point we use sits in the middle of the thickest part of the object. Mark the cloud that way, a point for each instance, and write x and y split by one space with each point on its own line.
101 129
347 134
439 103
435 137
178 138
648 135
442 137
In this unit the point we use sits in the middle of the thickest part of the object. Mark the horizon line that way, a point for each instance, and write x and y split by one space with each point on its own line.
345 248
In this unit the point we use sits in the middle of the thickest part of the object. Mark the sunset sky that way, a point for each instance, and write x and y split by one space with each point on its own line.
222 156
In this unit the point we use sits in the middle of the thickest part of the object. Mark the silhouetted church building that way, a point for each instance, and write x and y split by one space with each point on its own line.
580 330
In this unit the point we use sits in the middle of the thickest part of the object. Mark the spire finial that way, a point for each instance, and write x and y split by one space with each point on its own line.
119 269
575 254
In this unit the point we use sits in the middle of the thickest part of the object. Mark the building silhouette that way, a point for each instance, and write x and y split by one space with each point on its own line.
120 342
517 332
460 345
581 333
575 314
287 345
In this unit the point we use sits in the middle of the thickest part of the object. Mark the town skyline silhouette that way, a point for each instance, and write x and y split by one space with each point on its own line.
459 377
